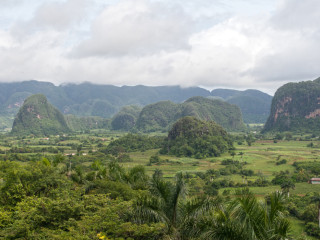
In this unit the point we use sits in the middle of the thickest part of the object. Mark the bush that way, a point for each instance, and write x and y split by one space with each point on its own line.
247 172
124 158
312 229
283 161
155 159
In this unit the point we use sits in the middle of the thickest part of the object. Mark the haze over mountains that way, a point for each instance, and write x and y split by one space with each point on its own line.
105 101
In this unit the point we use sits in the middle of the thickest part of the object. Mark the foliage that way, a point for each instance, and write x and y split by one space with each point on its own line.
162 115
105 100
254 105
245 218
281 178
282 161
133 142
312 229
294 108
76 123
192 137
126 118
38 117
311 167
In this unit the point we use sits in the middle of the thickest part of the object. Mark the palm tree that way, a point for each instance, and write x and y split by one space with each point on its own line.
167 204
286 186
242 218
163 203
245 218
137 178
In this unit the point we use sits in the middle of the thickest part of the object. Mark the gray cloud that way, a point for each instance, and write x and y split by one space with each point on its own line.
161 43
137 27
297 15
51 15
60 15
293 35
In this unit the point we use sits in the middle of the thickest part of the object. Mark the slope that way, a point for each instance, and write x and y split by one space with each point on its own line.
37 116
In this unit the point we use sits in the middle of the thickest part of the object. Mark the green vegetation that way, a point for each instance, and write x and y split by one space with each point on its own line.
126 118
38 117
157 116
254 105
50 199
295 108
191 137
133 143
105 101
161 116
89 99
77 124
108 184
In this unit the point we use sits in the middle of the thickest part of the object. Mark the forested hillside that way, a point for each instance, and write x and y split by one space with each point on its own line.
126 118
192 137
105 101
161 116
255 105
38 117
296 107
78 123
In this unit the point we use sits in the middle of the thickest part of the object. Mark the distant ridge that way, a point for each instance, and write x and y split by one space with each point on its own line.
255 105
105 101
161 116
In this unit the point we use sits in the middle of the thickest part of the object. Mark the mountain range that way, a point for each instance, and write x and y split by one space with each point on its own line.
162 115
105 101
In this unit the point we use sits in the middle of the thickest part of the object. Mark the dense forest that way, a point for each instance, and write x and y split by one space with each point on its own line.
58 199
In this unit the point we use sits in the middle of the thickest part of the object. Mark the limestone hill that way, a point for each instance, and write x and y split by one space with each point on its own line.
192 137
37 116
161 116
296 107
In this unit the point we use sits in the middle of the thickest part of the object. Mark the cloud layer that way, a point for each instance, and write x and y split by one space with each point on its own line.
213 44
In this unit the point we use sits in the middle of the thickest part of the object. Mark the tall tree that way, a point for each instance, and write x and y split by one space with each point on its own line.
286 186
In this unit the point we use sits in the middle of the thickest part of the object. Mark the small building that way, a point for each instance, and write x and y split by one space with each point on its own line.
314 181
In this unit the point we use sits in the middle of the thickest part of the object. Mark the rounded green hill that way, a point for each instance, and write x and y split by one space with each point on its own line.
37 116
192 137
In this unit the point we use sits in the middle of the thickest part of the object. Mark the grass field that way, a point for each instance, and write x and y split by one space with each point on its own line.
261 157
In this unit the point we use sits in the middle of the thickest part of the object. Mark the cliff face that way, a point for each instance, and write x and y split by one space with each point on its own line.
37 116
295 107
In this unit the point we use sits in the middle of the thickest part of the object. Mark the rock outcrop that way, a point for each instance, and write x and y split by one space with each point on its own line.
295 107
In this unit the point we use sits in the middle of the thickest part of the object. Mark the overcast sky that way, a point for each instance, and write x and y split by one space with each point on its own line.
237 44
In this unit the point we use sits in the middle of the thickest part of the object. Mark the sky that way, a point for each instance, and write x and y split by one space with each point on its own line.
239 44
